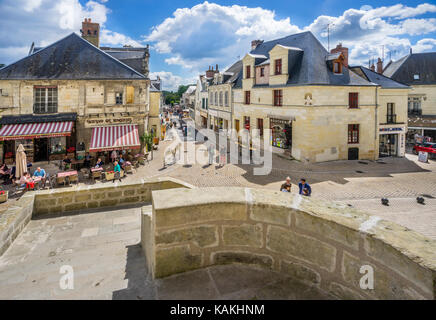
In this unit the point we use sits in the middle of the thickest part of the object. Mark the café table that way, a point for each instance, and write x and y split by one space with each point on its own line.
65 176
96 173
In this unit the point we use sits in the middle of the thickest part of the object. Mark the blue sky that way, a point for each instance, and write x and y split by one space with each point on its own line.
188 36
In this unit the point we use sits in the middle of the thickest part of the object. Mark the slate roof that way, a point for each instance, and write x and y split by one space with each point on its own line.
155 86
309 66
71 58
378 78
133 57
404 70
31 118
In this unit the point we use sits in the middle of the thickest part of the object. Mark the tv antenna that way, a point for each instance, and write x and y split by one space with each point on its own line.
328 34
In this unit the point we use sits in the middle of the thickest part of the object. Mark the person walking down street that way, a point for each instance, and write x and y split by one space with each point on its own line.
223 155
117 171
304 187
286 186
211 152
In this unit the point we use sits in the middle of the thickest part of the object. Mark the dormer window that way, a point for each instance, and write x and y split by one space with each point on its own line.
262 72
337 67
247 72
278 66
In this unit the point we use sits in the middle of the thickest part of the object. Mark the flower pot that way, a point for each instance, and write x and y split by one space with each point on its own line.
110 176
156 140
4 197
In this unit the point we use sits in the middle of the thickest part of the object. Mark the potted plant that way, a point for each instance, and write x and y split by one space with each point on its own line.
3 196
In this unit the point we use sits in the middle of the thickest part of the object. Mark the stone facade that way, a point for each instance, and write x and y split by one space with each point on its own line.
322 244
93 101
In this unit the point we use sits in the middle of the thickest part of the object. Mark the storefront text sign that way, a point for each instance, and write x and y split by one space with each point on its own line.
390 129
107 121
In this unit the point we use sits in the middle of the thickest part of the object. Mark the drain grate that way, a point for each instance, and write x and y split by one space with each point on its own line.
358 171
381 162
362 162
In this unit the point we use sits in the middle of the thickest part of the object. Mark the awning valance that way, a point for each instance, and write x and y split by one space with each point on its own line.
36 130
114 138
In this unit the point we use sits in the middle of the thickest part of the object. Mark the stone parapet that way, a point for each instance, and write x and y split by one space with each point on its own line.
327 245
32 204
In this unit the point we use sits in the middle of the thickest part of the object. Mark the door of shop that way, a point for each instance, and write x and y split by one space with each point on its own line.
388 145
41 149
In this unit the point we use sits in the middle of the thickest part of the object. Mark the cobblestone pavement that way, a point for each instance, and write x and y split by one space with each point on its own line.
402 178
102 248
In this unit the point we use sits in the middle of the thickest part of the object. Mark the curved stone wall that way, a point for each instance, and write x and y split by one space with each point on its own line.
326 245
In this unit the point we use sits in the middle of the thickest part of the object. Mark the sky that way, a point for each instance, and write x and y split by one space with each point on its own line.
186 37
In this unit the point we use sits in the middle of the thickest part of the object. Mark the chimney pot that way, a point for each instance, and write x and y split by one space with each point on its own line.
379 66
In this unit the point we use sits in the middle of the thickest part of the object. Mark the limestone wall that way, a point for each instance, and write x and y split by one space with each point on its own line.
16 217
14 220
102 195
320 243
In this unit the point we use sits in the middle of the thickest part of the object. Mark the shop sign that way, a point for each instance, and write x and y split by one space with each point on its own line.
390 129
96 122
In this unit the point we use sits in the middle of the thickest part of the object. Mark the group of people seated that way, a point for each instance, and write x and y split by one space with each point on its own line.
28 182
303 187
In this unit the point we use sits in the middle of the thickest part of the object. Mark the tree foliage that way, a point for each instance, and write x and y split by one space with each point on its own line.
172 97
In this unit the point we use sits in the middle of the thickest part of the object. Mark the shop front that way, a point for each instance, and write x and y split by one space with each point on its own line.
44 139
392 141
121 138
281 133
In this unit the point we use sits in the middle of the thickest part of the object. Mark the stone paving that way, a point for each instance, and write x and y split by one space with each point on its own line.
103 249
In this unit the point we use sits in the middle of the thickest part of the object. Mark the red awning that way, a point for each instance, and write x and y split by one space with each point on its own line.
36 130
114 138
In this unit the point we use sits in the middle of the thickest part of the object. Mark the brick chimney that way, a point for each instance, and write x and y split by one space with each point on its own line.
373 67
91 31
379 66
343 50
210 73
255 43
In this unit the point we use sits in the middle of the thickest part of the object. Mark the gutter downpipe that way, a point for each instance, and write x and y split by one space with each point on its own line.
376 121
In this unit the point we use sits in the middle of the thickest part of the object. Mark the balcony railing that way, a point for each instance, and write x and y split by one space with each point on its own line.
391 118
415 112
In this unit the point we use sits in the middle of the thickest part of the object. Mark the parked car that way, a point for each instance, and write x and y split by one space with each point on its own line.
429 147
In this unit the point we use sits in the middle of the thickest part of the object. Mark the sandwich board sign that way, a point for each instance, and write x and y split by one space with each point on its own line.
423 156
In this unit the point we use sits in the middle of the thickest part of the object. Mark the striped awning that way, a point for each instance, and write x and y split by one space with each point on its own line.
114 138
36 130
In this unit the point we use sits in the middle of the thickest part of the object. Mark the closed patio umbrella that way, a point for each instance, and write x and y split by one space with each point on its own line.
20 162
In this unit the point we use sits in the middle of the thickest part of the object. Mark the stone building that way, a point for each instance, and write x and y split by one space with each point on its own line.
316 107
391 111
202 101
418 70
156 104
220 97
71 94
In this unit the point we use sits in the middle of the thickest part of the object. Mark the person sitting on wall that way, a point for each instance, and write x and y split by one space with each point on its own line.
99 163
303 185
66 162
286 186
41 173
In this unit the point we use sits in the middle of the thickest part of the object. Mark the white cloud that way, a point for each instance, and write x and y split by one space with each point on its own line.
44 22
209 33
169 80
424 45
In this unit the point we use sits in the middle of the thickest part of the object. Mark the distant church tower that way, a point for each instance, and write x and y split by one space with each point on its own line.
91 32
